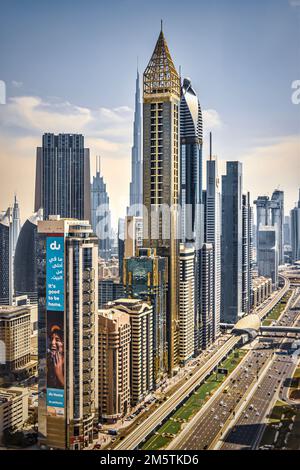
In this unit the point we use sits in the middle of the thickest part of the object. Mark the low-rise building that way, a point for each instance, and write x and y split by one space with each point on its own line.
15 334
13 409
113 364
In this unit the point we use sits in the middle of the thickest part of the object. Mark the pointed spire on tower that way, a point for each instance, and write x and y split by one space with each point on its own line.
160 76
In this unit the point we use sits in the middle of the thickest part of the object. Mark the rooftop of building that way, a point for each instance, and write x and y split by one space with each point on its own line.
8 394
14 309
128 305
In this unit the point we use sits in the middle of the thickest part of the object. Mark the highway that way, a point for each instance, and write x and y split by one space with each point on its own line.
249 427
204 430
133 440
263 311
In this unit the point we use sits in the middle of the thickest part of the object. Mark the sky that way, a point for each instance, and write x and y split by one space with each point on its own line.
70 66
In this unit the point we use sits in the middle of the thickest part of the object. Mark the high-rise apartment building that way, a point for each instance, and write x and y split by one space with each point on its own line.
186 303
16 223
192 209
247 255
136 185
268 255
295 232
109 289
133 235
114 332
213 234
101 215
232 232
62 184
146 277
25 266
161 175
141 346
207 295
5 257
271 212
68 332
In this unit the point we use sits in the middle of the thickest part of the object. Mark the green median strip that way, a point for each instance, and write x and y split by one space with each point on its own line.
277 310
185 413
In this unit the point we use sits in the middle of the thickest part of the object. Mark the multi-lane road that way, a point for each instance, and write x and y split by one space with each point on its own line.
259 373
134 439
248 428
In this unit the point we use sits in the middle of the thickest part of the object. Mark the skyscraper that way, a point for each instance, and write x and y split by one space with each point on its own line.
161 175
146 277
136 185
101 215
207 295
246 253
25 261
213 234
7 252
277 220
271 212
186 303
133 235
295 232
121 245
287 231
114 364
62 185
16 223
68 332
268 255
232 232
5 256
141 345
192 211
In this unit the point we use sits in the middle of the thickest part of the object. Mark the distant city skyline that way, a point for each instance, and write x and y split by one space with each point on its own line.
244 86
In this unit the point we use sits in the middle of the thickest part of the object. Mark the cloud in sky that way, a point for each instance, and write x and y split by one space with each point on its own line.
275 165
108 132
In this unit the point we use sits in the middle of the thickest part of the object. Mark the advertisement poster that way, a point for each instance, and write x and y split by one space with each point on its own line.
55 274
55 363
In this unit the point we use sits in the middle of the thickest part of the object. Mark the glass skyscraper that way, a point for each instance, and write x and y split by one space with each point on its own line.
192 211
136 185
62 185
232 232
161 175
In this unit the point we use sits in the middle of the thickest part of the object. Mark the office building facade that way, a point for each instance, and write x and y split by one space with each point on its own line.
232 232
114 338
136 185
207 295
161 175
268 253
101 215
213 235
192 209
186 303
62 185
68 332
146 277
141 346
295 232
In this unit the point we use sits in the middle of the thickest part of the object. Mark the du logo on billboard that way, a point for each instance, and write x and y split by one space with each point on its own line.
55 274
55 246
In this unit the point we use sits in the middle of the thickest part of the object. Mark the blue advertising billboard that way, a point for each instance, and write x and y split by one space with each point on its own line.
55 274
